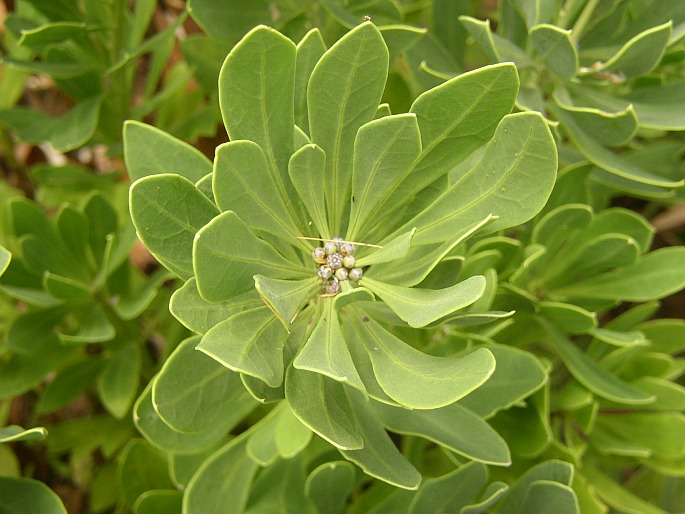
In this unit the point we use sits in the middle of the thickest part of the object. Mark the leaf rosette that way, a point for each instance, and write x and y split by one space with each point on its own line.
315 160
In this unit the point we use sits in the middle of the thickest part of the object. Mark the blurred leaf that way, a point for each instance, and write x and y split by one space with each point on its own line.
450 492
167 211
14 433
28 496
69 383
617 496
556 49
118 382
64 133
141 468
340 100
329 485
549 471
157 501
150 151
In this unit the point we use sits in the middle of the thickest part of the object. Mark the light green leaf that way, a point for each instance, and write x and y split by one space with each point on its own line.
598 380
384 152
467 108
118 382
417 380
307 172
380 457
551 470
167 211
605 158
28 496
226 255
325 351
546 496
249 342
280 488
15 433
518 374
5 258
151 151
642 53
358 294
285 297
395 249
64 133
570 318
243 183
617 338
419 262
309 50
454 427
192 392
156 501
291 435
329 485
513 181
65 288
656 275
256 88
261 444
93 326
451 491
556 49
199 315
419 307
607 128
223 480
321 404
343 94
640 428
229 21
617 496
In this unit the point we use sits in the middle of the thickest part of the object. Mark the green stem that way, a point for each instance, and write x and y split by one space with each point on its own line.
584 19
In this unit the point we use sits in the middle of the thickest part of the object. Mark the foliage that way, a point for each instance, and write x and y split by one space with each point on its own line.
415 279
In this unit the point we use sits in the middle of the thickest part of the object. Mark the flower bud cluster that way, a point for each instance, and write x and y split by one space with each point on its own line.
336 263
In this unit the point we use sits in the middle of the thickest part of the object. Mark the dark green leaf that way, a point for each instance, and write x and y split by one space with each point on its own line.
28 496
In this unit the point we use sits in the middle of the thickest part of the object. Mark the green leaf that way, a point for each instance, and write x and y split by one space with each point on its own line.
329 485
292 436
640 428
231 20
285 297
280 488
65 288
656 275
193 392
642 53
226 255
555 48
454 427
321 404
395 249
154 502
450 492
224 479
141 468
256 91
417 380
384 152
343 93
307 172
28 496
358 294
249 342
419 307
64 133
598 380
244 184
570 318
551 470
69 383
199 315
167 211
468 109
118 382
380 457
309 50
15 433
513 181
605 158
325 351
607 128
518 374
150 151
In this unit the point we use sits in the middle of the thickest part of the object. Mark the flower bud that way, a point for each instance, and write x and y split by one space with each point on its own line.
347 248
341 273
335 261
330 248
319 255
325 272
348 261
355 274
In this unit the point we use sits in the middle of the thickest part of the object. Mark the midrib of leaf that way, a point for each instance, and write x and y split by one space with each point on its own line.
477 199
272 158
319 214
336 147
207 379
171 216
285 267
258 334
367 188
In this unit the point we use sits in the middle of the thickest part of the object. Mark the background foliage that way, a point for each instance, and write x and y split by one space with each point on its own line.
515 346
